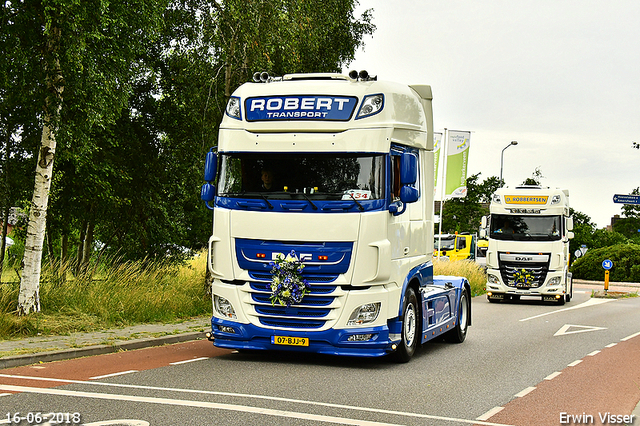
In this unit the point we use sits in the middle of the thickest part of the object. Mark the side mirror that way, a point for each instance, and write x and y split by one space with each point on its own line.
483 223
409 194
210 166
208 194
408 168
483 233
570 223
570 235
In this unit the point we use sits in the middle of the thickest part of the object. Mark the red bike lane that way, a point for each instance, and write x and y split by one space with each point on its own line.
600 389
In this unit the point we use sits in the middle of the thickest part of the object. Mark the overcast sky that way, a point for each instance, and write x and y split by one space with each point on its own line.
560 77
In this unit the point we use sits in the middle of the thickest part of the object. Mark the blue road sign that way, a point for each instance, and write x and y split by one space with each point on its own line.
626 199
607 264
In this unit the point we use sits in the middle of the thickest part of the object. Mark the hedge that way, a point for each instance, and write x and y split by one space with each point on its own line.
625 258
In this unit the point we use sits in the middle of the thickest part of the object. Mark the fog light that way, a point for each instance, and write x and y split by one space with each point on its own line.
226 329
493 279
360 337
364 314
223 307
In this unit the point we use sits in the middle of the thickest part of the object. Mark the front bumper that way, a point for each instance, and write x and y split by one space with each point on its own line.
330 342
552 286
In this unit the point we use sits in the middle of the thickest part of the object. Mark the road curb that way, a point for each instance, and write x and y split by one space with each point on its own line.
64 354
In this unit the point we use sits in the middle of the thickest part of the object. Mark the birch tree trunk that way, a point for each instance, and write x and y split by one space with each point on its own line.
29 296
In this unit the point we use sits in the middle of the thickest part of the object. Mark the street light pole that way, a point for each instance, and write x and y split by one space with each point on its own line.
502 157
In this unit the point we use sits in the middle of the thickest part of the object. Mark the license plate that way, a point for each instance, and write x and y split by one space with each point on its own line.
290 341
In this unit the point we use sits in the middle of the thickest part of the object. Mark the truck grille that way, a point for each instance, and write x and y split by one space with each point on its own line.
311 313
509 270
323 265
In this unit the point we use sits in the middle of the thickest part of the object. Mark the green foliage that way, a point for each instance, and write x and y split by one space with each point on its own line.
586 234
535 178
115 294
145 86
632 210
625 258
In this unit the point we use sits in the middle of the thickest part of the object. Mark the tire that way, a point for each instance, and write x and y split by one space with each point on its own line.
569 295
459 332
410 327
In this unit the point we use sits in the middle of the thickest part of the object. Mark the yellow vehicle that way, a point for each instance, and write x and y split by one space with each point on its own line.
454 247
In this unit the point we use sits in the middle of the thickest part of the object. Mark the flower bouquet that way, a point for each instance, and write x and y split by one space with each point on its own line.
523 278
287 284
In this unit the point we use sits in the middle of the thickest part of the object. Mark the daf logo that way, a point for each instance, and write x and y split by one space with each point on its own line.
523 259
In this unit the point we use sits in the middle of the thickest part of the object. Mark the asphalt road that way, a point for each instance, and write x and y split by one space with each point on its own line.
523 363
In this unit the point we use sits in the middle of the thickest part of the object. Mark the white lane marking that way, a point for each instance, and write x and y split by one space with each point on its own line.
630 337
120 373
564 330
264 397
574 363
553 375
525 391
610 345
188 361
198 404
593 353
490 413
590 302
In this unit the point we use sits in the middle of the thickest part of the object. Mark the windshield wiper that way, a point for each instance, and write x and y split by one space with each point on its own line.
310 202
266 201
356 201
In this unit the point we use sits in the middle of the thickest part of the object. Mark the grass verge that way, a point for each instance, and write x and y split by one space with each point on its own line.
114 296
463 268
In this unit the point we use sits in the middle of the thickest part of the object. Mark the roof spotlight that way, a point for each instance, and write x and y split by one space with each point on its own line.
353 74
364 75
264 76
256 77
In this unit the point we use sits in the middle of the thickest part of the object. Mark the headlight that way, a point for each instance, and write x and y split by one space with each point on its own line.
223 307
493 279
555 281
364 314
233 108
371 105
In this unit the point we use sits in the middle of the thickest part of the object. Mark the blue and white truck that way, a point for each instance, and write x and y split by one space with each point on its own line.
330 176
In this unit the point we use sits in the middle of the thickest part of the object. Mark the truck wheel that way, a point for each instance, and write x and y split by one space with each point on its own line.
410 332
459 333
569 295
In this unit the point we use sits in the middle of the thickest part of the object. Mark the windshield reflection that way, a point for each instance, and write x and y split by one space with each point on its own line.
317 176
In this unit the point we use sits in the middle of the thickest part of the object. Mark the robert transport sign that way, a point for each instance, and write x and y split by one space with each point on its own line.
626 199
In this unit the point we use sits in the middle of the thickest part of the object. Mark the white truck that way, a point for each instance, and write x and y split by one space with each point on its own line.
323 220
528 229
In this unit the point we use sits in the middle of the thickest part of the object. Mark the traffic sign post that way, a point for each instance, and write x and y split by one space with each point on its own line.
606 264
626 199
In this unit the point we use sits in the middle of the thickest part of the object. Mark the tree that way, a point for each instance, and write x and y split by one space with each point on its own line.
87 50
585 233
535 178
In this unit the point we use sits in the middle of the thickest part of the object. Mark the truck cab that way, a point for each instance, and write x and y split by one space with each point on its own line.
454 247
529 229
321 189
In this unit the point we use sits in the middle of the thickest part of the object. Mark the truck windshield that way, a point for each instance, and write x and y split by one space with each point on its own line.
445 243
526 228
318 176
